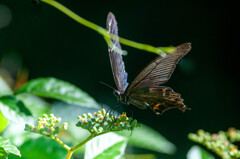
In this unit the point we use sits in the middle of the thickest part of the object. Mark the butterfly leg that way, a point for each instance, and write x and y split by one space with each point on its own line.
127 106
112 109
131 116
115 108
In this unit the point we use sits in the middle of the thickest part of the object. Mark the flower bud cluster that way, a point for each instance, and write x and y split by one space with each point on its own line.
221 143
47 126
234 135
101 122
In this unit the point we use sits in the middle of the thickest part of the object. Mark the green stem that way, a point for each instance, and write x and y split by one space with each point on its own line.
102 31
83 142
75 17
56 139
70 152
61 143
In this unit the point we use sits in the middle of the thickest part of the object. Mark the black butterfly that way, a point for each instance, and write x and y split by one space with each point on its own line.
145 92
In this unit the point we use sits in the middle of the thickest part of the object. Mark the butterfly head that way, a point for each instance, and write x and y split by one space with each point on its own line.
117 94
121 97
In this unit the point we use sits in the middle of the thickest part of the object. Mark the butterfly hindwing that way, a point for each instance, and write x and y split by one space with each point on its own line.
117 64
159 99
160 69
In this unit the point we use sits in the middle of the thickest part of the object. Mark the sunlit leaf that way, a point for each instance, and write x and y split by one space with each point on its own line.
3 122
69 113
35 104
15 131
107 146
6 148
4 88
197 152
14 103
42 148
3 153
54 88
13 109
139 156
147 138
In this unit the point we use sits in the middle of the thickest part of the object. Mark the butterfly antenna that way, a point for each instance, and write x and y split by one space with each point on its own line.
107 85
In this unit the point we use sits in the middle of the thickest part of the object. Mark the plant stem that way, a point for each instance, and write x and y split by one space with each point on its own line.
61 143
83 142
104 32
70 152
75 17
56 139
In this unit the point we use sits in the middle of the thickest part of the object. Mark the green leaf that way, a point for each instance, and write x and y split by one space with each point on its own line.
197 152
15 131
7 148
35 104
139 156
14 103
147 138
107 146
3 153
4 88
42 148
3 122
69 112
13 109
54 88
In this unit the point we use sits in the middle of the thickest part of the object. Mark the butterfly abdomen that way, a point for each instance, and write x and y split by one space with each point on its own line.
138 103
124 99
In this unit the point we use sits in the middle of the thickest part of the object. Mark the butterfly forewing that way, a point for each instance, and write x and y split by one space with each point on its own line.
117 64
159 99
160 69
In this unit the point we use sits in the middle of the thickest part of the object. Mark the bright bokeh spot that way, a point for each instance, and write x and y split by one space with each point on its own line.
3 122
5 16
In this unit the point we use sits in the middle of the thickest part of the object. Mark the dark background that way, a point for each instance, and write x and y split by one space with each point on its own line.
52 44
